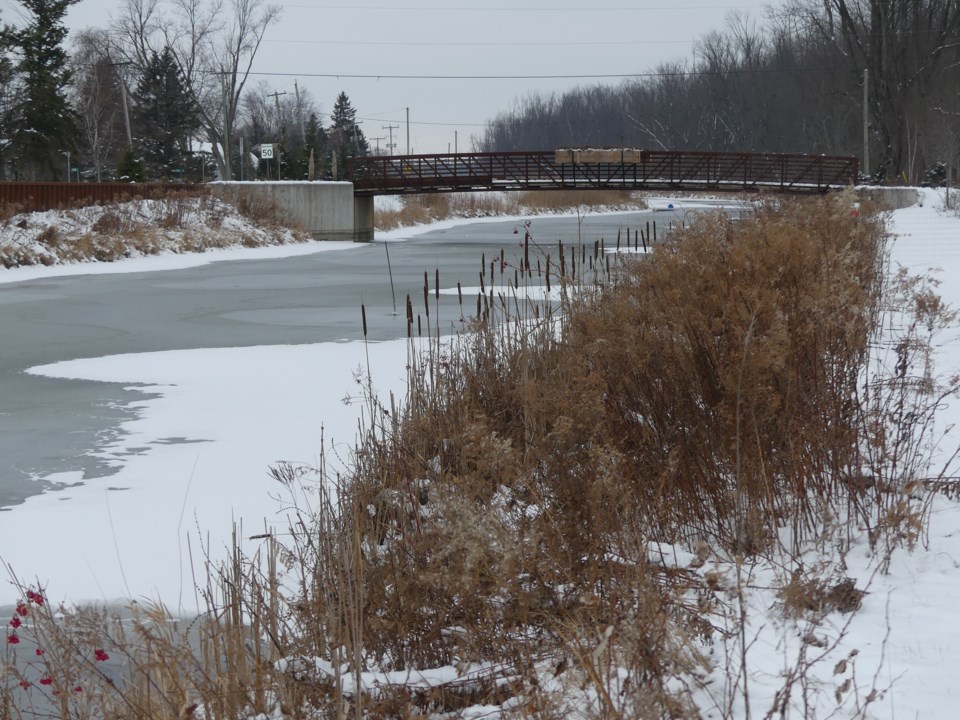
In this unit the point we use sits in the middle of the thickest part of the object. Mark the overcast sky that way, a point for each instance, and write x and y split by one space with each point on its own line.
460 38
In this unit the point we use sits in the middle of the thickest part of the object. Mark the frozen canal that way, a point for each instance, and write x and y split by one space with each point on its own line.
50 426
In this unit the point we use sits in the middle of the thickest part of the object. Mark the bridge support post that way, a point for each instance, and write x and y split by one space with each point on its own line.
363 218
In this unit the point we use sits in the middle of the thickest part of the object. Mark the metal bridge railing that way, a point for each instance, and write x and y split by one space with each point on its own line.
602 169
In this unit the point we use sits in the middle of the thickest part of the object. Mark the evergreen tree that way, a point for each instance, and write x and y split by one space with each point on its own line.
346 137
8 95
165 117
130 167
42 126
344 115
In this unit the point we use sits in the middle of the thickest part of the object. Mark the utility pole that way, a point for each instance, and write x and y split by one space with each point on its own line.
303 128
276 100
455 150
377 140
123 94
228 171
866 125
356 137
408 131
390 128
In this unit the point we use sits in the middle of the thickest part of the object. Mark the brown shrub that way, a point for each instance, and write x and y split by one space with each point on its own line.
818 596
49 237
541 200
257 209
109 223
9 210
703 392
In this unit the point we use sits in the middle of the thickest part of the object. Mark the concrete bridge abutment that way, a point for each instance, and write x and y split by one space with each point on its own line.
326 210
363 218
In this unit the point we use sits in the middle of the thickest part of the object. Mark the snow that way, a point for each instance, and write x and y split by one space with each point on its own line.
246 409
241 411
171 261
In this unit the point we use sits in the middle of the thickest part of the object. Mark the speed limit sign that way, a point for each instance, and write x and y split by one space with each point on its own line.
266 152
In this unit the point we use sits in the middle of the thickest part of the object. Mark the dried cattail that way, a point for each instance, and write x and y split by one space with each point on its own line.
409 316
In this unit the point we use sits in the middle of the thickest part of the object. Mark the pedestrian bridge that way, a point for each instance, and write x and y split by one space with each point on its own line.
588 169
592 169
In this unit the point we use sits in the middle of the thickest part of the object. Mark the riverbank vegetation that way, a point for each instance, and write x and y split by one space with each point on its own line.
593 503
174 223
412 210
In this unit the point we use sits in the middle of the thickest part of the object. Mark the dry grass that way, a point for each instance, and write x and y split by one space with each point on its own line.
723 392
421 209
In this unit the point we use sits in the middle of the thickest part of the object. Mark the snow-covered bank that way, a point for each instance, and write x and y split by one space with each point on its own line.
171 261
138 236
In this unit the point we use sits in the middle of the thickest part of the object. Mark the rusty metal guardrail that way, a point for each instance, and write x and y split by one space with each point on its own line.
626 169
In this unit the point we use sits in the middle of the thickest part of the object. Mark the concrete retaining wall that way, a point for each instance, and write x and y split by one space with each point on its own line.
324 209
890 198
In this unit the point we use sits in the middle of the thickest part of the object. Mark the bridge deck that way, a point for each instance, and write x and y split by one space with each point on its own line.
632 170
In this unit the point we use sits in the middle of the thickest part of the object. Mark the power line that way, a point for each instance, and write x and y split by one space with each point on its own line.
425 122
599 43
556 76
377 117
515 9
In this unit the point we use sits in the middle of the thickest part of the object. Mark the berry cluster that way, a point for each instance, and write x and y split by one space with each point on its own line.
22 611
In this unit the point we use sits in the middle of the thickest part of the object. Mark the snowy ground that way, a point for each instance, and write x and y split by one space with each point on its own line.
127 535
129 231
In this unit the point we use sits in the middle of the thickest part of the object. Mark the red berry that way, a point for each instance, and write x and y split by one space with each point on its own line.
100 655
46 681
15 622
12 639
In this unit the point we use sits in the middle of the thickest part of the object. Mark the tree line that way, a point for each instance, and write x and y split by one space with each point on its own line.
792 83
159 97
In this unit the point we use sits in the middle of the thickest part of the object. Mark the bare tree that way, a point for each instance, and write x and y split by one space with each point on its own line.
904 45
96 91
214 42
